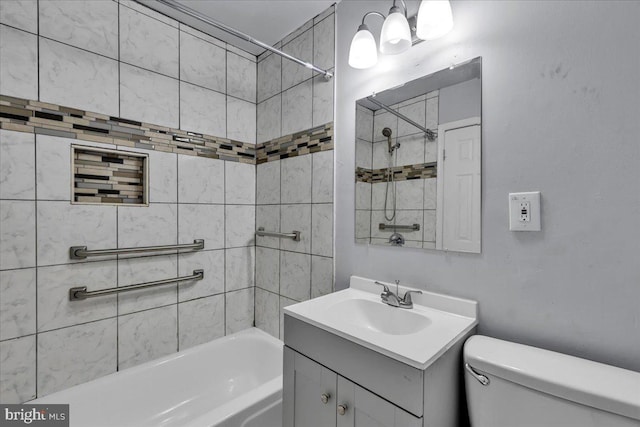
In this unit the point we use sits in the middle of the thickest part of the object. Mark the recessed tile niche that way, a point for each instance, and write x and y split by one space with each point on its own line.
109 177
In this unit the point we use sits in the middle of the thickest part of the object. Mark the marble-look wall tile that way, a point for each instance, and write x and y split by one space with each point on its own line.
18 368
147 335
163 177
200 320
322 101
148 97
202 110
201 222
364 154
17 303
54 308
324 43
53 171
268 217
295 275
18 63
322 229
75 355
364 123
363 224
383 119
411 151
268 269
363 195
78 79
321 276
241 77
297 108
132 4
202 63
268 183
267 315
296 180
270 119
429 226
269 77
301 47
239 310
322 178
240 225
243 53
432 113
296 218
212 262
240 267
17 234
240 183
146 269
284 302
410 194
200 180
430 193
17 167
416 112
148 43
156 224
88 25
241 120
21 14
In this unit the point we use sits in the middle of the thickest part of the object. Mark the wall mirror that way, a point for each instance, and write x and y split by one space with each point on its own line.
418 162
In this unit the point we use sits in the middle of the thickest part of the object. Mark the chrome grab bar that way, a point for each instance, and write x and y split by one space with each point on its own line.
294 235
79 293
81 252
412 227
481 378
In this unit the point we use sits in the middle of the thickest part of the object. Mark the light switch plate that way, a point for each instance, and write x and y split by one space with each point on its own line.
524 211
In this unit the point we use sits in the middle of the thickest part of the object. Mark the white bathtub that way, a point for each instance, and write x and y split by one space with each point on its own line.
235 381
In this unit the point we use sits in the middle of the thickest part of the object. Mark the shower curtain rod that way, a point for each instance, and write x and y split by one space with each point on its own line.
197 15
431 135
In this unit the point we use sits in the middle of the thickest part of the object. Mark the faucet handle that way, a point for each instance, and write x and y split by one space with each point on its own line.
406 300
386 288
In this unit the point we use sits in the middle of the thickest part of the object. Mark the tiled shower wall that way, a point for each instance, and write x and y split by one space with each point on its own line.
120 59
295 193
415 198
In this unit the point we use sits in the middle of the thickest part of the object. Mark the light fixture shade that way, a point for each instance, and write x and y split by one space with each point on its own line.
395 36
363 52
434 19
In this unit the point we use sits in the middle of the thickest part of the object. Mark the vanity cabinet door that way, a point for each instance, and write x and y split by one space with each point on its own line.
357 407
309 393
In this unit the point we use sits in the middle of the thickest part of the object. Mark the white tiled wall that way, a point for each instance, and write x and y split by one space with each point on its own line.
122 59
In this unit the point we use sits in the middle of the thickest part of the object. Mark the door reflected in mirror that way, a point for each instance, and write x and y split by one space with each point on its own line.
418 162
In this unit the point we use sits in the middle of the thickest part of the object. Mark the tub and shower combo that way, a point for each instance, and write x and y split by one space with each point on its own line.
235 381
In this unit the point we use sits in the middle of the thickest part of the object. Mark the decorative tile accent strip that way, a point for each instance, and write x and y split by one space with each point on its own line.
30 116
309 141
25 115
400 173
109 176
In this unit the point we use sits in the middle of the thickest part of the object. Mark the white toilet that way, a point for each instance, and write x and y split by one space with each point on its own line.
514 385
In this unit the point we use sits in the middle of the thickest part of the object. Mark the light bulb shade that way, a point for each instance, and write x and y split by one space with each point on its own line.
395 36
434 19
363 53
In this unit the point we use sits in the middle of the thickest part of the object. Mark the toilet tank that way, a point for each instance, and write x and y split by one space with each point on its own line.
530 387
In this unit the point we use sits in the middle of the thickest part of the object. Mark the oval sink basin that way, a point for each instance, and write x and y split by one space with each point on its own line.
378 317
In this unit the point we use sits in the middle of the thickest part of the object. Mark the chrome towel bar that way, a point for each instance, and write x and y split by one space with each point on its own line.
413 227
294 235
79 293
81 252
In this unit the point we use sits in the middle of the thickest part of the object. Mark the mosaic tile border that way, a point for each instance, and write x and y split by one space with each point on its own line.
305 142
400 173
37 117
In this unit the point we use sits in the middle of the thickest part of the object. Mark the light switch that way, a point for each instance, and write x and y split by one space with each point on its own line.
524 211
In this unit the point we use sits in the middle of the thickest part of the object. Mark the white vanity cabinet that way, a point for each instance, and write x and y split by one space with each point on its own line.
318 397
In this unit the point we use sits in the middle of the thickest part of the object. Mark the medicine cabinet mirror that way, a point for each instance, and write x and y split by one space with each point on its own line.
418 162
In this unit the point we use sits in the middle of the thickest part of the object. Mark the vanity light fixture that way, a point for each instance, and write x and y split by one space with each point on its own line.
434 20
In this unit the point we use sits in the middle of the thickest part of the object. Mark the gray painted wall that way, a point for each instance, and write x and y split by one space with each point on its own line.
459 101
560 115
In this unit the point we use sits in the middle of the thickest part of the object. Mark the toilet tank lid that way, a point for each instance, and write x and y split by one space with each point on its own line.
594 384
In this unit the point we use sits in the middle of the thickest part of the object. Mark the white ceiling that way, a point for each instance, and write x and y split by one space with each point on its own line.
266 20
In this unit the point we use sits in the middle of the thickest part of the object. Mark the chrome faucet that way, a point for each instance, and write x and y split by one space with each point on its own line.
393 299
